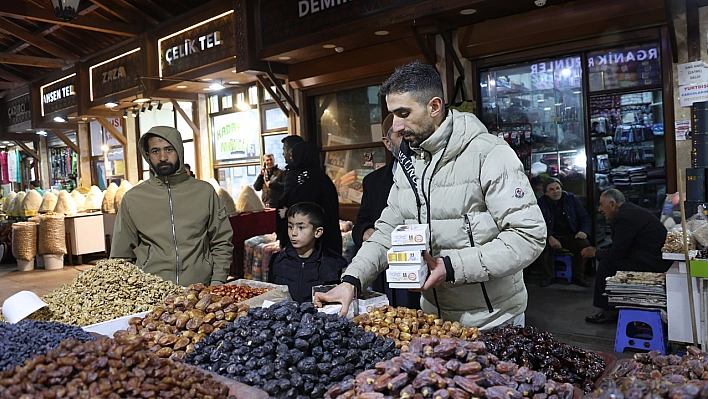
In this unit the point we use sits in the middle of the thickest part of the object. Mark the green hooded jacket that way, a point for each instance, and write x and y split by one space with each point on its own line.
174 226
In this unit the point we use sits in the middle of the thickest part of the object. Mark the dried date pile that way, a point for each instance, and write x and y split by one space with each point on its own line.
108 368
173 328
237 292
290 351
22 340
449 368
526 346
403 324
652 375
111 289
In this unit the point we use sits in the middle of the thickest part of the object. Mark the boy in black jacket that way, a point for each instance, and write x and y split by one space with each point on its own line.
304 262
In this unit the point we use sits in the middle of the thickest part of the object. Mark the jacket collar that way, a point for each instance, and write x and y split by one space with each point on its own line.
453 135
316 253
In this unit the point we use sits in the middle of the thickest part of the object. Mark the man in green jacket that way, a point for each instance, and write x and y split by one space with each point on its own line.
469 187
172 225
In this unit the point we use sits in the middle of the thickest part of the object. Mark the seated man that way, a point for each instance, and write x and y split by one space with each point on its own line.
637 238
568 225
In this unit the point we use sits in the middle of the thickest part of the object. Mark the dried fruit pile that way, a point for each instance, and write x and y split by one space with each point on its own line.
449 368
113 368
22 340
526 346
403 324
652 375
172 329
238 292
290 351
111 289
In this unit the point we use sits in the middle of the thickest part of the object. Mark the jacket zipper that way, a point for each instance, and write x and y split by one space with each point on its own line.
147 258
210 265
468 227
174 234
300 285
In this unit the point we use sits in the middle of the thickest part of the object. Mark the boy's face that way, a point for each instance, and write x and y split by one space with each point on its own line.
301 232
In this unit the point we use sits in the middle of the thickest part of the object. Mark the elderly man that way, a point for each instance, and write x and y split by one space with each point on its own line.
173 224
637 238
469 187
568 225
271 180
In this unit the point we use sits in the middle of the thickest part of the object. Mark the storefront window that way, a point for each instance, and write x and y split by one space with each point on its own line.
236 136
275 119
233 179
625 67
273 145
349 117
348 168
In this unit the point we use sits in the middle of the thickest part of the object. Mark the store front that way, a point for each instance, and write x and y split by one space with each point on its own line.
17 166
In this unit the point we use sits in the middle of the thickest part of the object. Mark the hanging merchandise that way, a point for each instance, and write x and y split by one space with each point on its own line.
12 166
3 167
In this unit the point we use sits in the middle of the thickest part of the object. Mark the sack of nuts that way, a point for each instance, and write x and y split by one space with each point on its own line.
51 235
24 240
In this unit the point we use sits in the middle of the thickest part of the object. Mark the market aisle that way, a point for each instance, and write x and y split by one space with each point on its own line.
39 281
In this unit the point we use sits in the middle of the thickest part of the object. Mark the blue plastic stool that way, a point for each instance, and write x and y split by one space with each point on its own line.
631 336
564 266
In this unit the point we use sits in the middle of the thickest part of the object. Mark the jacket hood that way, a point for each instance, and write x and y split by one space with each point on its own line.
305 155
453 136
170 134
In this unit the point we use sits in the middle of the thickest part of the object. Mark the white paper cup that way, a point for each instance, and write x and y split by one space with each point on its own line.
53 262
21 305
25 265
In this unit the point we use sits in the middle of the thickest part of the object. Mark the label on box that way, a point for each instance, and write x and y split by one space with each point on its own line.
415 257
407 234
407 274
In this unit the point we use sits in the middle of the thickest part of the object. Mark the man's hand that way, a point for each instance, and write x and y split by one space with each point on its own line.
262 171
555 244
367 234
437 272
580 235
343 293
282 212
588 252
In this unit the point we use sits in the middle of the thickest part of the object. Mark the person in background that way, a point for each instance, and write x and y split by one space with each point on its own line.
305 262
281 224
188 170
270 180
376 186
171 225
470 188
34 185
637 238
568 225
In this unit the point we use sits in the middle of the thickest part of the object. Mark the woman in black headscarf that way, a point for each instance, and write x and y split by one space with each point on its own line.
307 182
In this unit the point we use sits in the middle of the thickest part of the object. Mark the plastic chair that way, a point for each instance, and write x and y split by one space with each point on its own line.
629 335
564 265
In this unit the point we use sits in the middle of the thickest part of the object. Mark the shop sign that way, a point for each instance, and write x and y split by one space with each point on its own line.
58 95
283 20
197 46
693 93
556 65
236 136
624 67
116 74
692 73
19 112
622 56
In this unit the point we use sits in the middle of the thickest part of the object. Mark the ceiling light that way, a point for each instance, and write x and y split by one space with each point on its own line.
243 106
234 71
10 144
150 107
468 11
207 80
125 113
142 100
142 109
59 119
66 10
136 111
104 148
41 133
339 49
329 46
181 87
159 105
284 58
234 82
111 105
216 86
6 142
381 33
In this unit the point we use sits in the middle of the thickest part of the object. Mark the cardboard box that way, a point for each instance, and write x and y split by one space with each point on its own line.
411 234
404 257
109 327
407 274
366 301
406 286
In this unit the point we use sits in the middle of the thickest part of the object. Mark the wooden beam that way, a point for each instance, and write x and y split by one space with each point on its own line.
28 60
693 31
29 11
112 130
283 93
28 150
189 121
66 140
18 136
266 87
56 125
11 76
125 11
9 85
39 42
428 53
672 31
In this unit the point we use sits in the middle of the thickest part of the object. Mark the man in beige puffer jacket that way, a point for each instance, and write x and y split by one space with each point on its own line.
470 188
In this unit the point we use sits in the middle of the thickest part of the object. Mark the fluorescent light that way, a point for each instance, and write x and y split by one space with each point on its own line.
111 105
234 82
381 33
284 58
59 119
181 87
207 80
216 86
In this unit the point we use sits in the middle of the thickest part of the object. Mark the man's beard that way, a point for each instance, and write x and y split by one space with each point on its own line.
166 168
419 137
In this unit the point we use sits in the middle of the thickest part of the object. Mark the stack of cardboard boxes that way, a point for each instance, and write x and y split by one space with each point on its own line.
406 267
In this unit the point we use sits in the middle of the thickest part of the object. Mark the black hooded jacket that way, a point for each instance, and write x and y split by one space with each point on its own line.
307 182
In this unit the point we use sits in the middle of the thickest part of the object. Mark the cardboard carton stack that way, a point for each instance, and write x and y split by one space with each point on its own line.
406 267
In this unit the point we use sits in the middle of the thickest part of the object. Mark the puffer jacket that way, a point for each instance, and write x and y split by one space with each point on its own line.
174 226
463 172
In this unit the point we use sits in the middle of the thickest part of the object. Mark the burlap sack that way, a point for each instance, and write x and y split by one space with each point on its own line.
65 204
124 187
95 189
24 240
17 204
30 205
227 201
7 205
79 199
109 198
93 200
51 235
248 201
49 202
